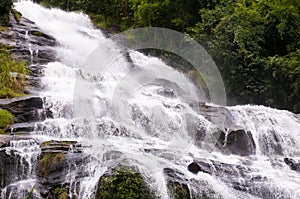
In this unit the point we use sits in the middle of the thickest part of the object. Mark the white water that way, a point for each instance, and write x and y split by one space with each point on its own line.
21 173
152 121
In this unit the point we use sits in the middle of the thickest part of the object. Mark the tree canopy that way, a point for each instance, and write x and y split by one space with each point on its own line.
255 43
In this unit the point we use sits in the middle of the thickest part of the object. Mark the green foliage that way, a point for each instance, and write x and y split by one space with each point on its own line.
60 193
12 75
124 183
175 14
51 162
5 6
17 15
250 41
178 191
6 119
255 43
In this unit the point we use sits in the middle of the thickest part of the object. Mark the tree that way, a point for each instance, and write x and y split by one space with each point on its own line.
5 6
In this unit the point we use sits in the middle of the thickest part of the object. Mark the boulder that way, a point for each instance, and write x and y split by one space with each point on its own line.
54 164
238 142
292 164
25 109
196 167
177 184
123 182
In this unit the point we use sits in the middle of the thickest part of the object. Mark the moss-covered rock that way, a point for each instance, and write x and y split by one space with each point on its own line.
6 119
17 15
123 183
178 190
51 162
60 193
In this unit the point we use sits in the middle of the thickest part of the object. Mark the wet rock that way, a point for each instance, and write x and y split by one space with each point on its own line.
61 147
178 190
292 164
25 109
177 184
270 143
237 142
57 160
196 167
21 128
123 182
11 168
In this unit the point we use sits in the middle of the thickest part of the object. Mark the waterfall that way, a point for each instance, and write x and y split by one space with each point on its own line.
158 130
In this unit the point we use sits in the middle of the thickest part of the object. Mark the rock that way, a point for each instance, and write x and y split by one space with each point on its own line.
22 127
15 166
292 164
123 182
10 168
57 160
177 184
196 167
237 142
61 147
25 109
177 190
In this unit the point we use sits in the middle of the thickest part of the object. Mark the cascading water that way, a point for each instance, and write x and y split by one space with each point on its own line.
161 126
20 175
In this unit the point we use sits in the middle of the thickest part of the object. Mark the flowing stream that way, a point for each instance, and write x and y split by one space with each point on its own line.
156 129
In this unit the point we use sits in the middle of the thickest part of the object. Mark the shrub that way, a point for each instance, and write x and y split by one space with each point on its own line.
6 119
12 74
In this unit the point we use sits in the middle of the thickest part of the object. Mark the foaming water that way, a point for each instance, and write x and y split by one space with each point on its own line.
147 122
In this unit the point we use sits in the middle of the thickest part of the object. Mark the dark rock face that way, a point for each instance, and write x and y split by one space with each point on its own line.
15 167
29 43
10 168
237 142
252 182
196 167
56 161
177 184
25 109
292 164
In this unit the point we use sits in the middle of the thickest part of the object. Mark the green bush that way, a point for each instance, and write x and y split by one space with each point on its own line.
6 119
12 75
5 6
124 183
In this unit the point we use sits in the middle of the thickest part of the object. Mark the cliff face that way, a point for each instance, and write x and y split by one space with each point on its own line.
19 152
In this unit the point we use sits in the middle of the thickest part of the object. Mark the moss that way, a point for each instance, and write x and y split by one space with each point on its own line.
17 15
11 85
178 191
37 33
55 143
124 183
51 162
6 119
60 193
2 28
10 93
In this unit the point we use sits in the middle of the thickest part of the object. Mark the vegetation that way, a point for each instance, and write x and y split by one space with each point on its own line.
60 193
12 75
124 183
17 15
5 6
255 43
6 119
51 162
178 190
